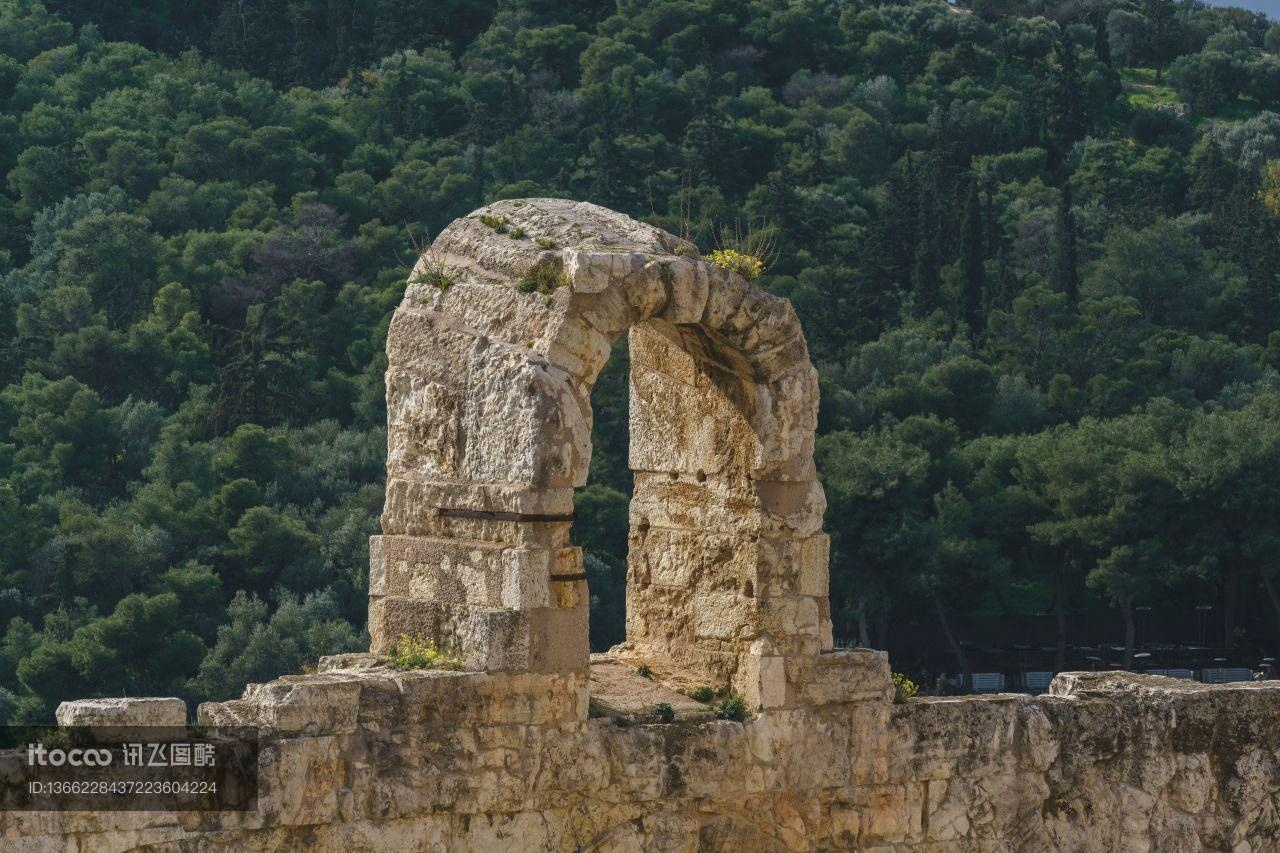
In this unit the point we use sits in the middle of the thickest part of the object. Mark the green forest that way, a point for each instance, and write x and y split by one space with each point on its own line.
1035 247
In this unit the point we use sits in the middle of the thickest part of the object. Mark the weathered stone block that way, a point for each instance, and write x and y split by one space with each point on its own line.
592 272
851 675
446 570
526 578
149 711
424 427
559 636
305 704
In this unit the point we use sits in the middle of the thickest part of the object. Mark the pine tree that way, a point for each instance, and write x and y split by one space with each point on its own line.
1066 259
972 269
924 264
1246 232
1066 117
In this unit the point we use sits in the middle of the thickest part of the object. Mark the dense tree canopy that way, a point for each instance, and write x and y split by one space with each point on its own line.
1034 247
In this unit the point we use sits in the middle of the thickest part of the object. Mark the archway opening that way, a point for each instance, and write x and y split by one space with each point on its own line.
601 508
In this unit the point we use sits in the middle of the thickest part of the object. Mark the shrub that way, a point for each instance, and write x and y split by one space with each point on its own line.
643 671
702 693
903 688
745 265
663 711
747 252
733 708
416 653
545 243
516 233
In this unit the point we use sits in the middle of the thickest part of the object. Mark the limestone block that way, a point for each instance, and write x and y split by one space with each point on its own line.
719 615
792 619
487 639
451 571
681 425
390 617
303 785
690 559
730 301
148 711
851 675
793 566
687 287
576 346
608 312
424 427
495 311
592 272
432 344
306 704
810 557
719 504
526 578
559 636
523 423
414 508
646 296
765 681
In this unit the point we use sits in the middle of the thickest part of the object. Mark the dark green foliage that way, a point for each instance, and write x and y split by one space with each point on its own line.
972 272
1046 313
1066 254
732 708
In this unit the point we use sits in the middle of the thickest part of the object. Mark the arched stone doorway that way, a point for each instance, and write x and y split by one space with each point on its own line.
504 327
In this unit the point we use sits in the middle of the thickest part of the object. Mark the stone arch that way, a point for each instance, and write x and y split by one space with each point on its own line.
506 322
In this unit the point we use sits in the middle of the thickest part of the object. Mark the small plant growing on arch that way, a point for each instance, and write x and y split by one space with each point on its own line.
432 273
542 278
749 253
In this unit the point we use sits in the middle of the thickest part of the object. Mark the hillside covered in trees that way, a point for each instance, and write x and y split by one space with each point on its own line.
1035 247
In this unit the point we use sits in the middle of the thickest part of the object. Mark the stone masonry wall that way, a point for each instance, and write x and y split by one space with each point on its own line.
360 758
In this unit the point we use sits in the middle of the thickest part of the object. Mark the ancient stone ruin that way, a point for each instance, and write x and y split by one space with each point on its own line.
535 745
506 324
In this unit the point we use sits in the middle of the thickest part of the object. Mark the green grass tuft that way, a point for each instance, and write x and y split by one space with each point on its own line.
542 278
